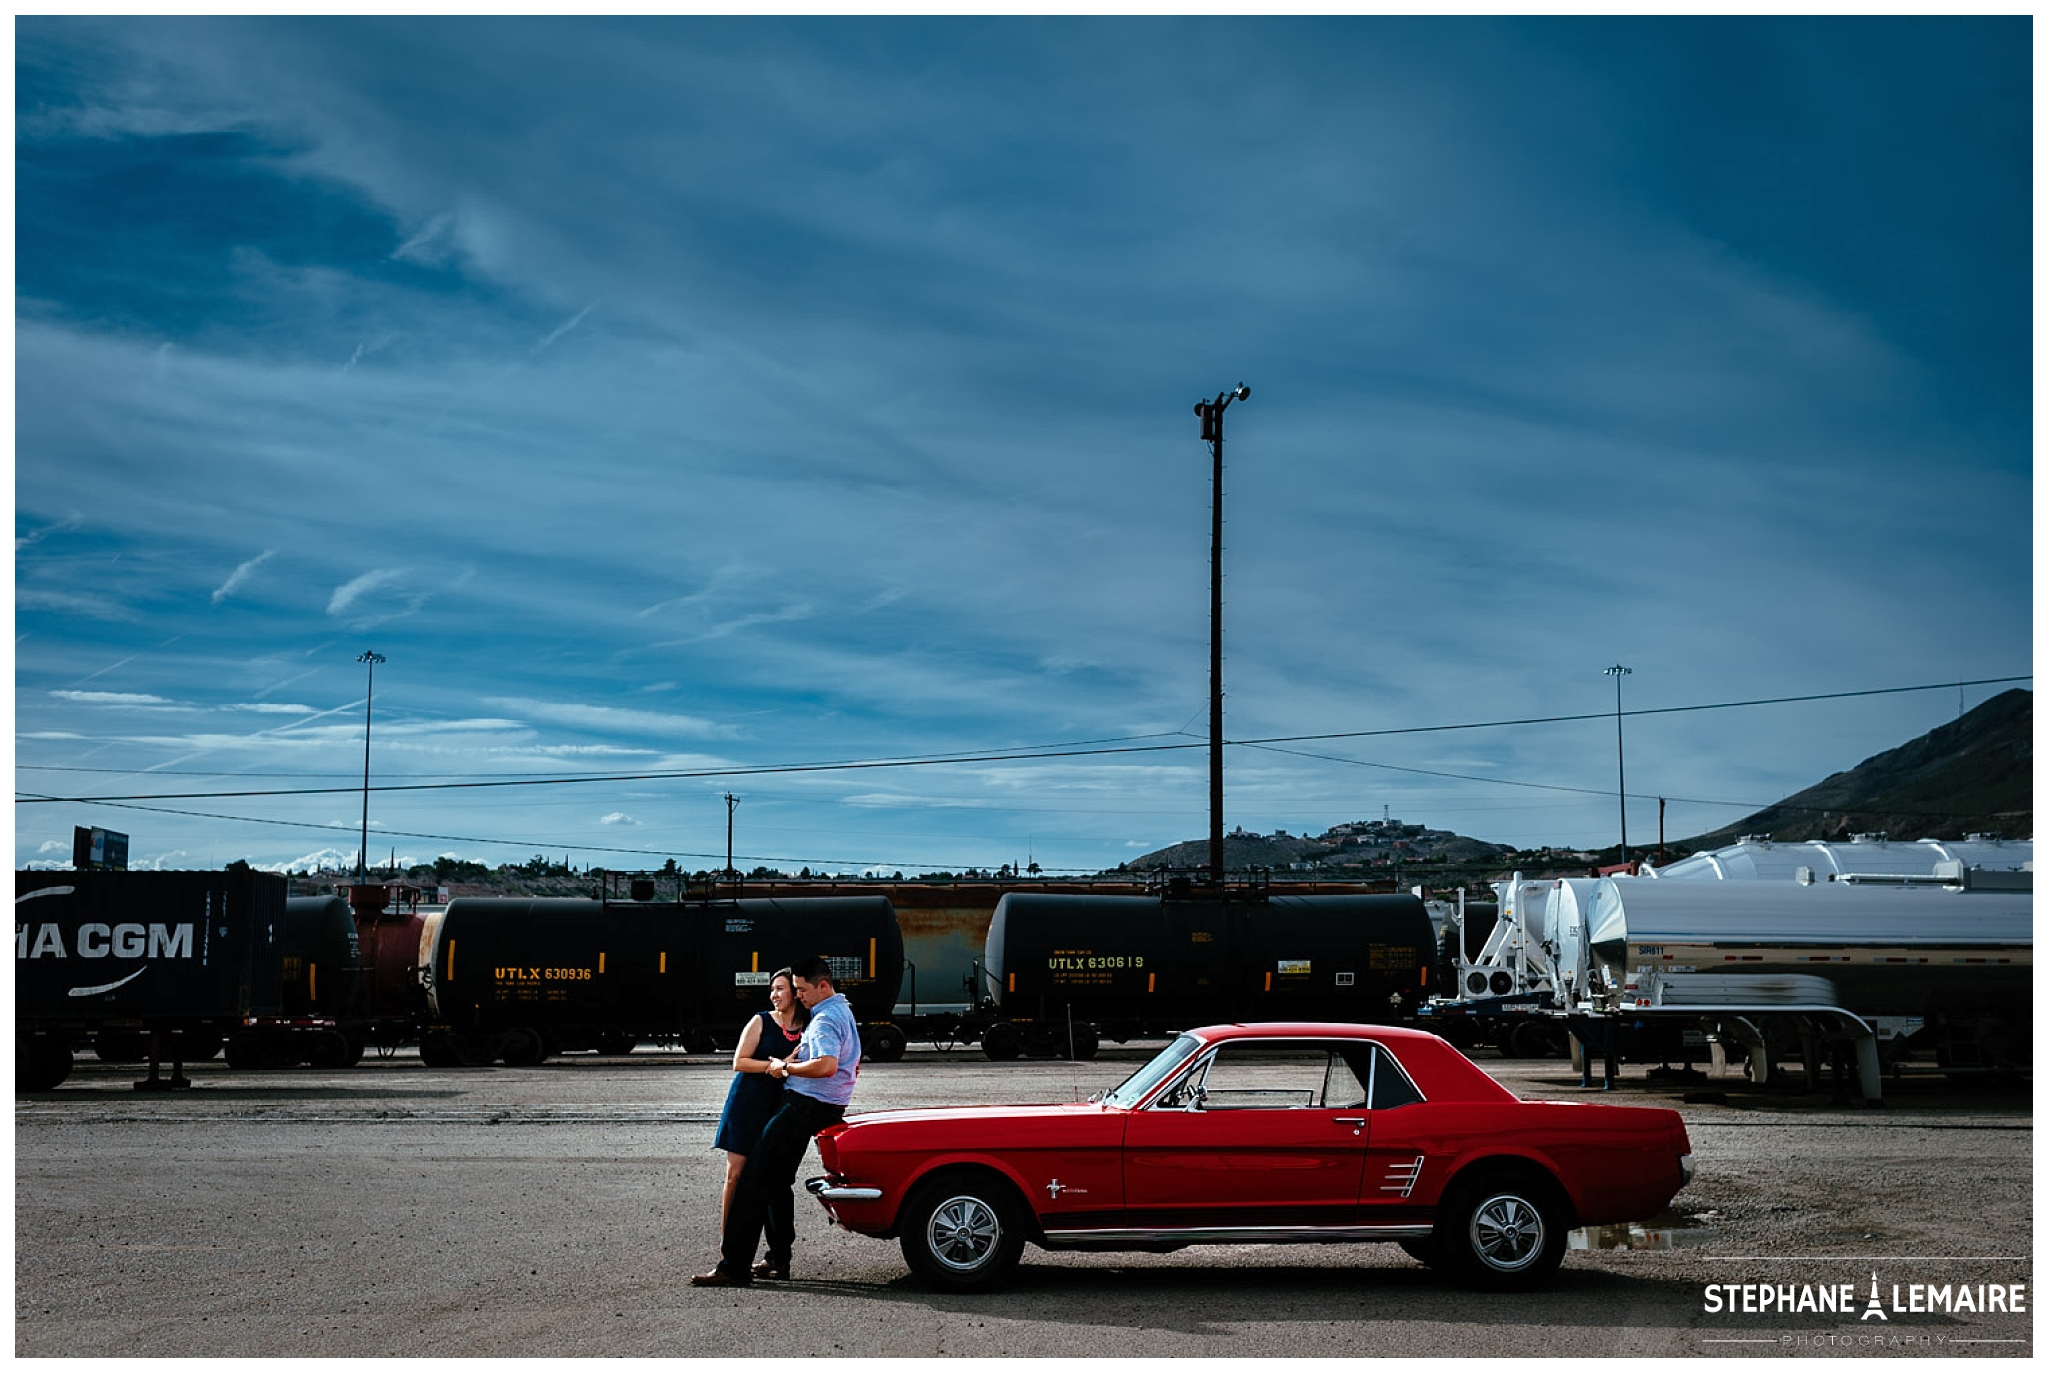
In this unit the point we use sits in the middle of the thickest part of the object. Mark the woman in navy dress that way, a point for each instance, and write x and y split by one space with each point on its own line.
754 1095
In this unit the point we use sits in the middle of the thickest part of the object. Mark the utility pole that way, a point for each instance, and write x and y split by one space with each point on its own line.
1211 412
363 850
730 802
1617 672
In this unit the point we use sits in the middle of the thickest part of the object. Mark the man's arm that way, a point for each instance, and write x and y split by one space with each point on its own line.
822 1066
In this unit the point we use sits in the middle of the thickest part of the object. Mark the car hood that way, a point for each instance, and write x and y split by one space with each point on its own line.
963 1115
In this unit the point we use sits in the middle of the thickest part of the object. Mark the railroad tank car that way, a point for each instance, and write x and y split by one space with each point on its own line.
520 979
389 929
320 972
1063 970
178 956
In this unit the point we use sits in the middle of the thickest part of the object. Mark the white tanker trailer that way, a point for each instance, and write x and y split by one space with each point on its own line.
1775 967
1865 857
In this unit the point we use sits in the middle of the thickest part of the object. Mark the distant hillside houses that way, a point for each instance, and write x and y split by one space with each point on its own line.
1354 845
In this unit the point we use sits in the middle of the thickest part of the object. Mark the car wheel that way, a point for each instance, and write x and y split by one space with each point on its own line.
1503 1233
961 1235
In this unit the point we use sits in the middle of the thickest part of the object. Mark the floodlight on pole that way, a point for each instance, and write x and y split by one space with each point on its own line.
1211 412
1617 672
363 851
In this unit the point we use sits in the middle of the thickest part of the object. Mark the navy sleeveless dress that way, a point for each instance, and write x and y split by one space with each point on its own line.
753 1097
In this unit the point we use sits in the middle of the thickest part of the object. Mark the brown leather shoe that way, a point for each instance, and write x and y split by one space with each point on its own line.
765 1269
721 1277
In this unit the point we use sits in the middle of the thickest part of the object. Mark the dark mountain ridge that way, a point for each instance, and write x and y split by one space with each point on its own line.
1974 775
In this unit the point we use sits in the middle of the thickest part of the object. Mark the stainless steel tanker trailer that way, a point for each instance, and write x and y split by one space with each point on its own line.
518 980
1783 968
1885 966
1061 972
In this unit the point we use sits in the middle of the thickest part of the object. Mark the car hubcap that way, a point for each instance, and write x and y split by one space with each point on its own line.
963 1232
1507 1233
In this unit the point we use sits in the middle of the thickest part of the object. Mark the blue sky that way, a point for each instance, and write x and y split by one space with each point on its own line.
687 395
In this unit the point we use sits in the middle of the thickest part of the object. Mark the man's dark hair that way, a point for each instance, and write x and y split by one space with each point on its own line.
813 969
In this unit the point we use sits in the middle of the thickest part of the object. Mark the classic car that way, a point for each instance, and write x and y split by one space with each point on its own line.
1254 1134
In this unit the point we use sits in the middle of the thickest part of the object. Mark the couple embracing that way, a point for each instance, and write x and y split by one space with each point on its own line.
812 1084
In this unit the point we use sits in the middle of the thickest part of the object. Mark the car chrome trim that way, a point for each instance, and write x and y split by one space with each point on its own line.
1237 1234
824 1189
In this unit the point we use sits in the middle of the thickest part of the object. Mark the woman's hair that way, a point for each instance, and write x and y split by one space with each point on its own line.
803 1012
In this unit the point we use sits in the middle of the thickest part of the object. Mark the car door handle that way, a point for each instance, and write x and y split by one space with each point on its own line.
1356 1123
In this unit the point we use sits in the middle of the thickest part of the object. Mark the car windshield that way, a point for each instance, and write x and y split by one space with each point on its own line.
1133 1088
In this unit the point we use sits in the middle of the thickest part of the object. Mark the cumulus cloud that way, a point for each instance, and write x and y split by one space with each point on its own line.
618 817
53 846
241 574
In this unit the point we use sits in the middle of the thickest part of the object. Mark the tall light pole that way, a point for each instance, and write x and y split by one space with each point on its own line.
1617 672
363 852
1211 412
730 802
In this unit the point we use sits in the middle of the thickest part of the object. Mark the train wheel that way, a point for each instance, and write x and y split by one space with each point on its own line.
327 1049
437 1050
1087 1042
883 1042
1002 1041
245 1051
522 1049
120 1046
41 1062
356 1045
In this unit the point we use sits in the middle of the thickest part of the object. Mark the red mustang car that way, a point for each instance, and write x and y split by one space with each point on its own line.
1259 1134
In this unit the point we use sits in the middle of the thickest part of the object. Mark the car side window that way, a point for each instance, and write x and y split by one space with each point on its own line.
1390 1084
1269 1076
1343 1087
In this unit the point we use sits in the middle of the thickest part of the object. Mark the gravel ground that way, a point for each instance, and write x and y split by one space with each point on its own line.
397 1210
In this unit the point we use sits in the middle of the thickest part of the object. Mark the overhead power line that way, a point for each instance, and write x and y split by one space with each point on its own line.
542 846
992 756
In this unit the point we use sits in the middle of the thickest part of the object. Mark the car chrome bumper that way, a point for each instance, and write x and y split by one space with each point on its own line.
824 1189
1684 1169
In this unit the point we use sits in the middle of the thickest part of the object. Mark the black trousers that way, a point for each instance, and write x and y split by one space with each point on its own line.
766 1196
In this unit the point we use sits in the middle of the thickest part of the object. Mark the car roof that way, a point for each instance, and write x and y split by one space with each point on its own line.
1295 1029
1439 1070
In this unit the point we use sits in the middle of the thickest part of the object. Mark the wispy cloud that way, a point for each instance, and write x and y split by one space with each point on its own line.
348 593
270 708
71 603
112 698
36 536
564 328
241 574
617 817
612 718
430 246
